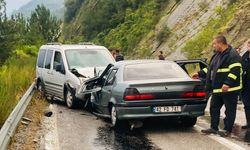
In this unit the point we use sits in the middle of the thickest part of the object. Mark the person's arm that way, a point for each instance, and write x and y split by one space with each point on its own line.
235 68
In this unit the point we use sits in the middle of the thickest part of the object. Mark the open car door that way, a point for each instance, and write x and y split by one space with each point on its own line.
192 66
94 84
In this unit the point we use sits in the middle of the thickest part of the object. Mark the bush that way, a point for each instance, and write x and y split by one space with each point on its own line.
26 51
163 34
203 5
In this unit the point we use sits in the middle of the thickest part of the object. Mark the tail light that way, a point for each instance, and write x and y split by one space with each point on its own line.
193 94
132 94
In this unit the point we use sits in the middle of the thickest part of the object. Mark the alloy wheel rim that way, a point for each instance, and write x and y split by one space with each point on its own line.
69 99
113 116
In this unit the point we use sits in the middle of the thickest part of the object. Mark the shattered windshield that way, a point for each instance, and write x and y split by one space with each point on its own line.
88 58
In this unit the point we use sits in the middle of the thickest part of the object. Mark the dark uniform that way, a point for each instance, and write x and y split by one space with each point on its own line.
246 85
119 57
224 68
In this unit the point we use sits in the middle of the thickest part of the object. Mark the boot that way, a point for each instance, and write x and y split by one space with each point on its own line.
247 126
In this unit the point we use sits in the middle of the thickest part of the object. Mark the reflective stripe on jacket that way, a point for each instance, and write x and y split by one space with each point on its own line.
229 72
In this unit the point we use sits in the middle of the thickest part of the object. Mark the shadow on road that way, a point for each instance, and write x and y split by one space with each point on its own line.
124 139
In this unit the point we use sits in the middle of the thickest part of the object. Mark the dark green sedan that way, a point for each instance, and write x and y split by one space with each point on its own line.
140 89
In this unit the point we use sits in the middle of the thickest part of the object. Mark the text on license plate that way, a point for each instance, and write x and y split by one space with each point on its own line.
162 109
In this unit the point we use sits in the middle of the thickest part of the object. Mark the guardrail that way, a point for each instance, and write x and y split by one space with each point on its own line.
10 125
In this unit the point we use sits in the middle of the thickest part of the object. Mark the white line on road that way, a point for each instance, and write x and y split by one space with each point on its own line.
221 140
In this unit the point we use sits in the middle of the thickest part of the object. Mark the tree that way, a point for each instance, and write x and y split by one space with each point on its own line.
43 26
72 7
5 34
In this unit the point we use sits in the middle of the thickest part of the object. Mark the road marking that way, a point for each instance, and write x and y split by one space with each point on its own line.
221 140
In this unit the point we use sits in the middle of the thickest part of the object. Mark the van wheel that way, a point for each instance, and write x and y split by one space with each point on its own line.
70 99
40 87
188 121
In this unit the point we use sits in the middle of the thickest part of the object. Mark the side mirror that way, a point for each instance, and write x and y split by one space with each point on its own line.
59 68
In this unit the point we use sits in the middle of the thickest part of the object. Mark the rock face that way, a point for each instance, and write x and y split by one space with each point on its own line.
189 17
185 21
178 21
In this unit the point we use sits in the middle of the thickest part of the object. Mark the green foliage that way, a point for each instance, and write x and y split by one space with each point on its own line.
6 34
16 75
26 50
137 24
163 34
195 46
121 24
43 25
232 2
19 41
72 7
203 5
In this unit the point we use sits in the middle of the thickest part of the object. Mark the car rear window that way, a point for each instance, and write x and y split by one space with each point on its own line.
149 71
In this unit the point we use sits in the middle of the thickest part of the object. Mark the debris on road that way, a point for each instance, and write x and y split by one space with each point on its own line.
25 123
48 113
26 119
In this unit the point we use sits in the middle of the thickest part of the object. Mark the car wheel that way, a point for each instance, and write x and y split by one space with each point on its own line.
114 119
40 87
70 99
188 121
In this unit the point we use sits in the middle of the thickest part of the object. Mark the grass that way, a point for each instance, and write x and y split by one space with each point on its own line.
30 132
16 75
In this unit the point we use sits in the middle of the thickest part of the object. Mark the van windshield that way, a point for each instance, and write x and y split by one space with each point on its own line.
79 58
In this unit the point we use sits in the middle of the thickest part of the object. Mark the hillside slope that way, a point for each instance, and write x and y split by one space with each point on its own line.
181 28
56 7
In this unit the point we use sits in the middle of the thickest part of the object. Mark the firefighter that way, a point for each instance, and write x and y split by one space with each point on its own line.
246 84
224 81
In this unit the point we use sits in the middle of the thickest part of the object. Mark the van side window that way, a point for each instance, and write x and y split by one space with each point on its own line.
41 57
57 60
48 59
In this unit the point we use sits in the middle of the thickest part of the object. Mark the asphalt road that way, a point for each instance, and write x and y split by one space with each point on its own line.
80 130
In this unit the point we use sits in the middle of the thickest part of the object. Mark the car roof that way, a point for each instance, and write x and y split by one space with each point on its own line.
63 47
143 61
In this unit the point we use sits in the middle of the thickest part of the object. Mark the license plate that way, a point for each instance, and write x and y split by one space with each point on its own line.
164 109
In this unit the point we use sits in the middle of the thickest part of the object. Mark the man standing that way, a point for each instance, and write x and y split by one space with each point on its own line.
224 81
246 84
119 56
161 57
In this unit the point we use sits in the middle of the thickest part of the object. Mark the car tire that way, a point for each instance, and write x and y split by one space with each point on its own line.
115 122
70 99
40 87
188 121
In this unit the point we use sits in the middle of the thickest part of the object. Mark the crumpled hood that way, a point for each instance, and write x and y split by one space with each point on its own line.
89 72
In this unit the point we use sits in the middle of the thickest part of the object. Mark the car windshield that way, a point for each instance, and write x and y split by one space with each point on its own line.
148 71
88 58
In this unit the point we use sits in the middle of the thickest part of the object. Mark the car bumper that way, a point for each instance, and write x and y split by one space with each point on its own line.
147 112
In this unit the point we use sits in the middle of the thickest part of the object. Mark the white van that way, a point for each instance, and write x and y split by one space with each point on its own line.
61 69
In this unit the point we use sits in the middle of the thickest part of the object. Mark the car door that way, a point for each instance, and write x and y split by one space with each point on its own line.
47 72
58 77
107 88
192 66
